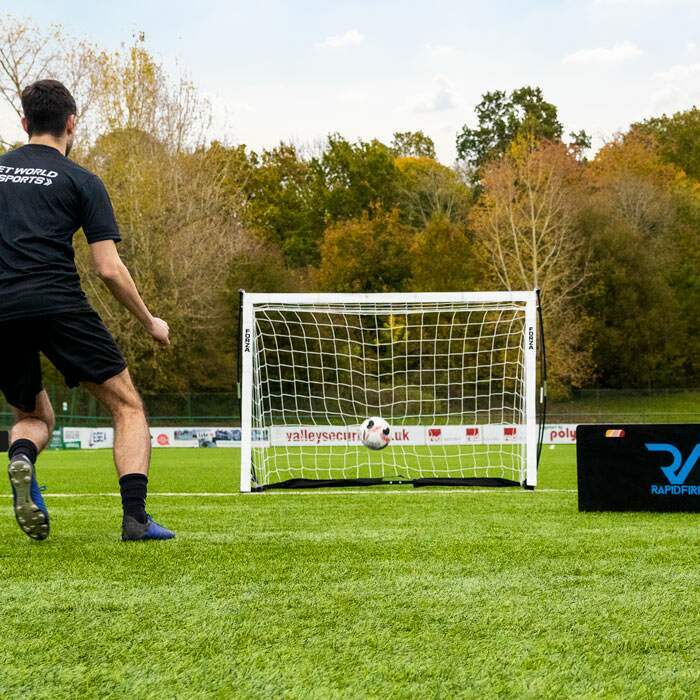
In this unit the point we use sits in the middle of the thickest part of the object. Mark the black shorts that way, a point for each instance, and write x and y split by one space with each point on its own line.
77 344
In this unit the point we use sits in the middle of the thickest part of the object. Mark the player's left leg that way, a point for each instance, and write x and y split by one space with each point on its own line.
30 434
36 425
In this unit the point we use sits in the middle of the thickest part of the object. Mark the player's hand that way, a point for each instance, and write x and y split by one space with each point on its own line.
159 331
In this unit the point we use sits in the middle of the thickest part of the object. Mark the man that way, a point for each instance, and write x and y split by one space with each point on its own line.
44 199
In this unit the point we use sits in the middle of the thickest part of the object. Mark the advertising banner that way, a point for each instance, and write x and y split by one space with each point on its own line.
560 434
320 436
335 435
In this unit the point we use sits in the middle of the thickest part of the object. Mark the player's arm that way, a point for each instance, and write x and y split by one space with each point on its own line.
114 273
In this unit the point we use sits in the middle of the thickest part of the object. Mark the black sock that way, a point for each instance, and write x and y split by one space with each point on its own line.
133 488
24 447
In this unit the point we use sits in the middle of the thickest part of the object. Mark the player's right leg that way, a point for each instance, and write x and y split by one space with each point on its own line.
83 350
132 454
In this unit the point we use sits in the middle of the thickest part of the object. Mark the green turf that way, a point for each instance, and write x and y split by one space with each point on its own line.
672 406
411 594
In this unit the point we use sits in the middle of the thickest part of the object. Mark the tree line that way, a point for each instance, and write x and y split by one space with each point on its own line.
612 240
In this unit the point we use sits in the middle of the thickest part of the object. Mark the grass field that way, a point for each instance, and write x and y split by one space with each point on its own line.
394 593
672 406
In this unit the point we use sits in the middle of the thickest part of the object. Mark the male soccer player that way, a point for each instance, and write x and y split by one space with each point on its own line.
44 199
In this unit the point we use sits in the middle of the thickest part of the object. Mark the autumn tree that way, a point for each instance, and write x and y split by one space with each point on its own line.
180 214
443 257
136 93
644 293
368 254
29 53
527 225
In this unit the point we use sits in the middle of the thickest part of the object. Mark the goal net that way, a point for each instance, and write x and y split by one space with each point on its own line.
454 375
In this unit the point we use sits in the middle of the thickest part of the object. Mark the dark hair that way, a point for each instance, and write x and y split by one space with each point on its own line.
47 104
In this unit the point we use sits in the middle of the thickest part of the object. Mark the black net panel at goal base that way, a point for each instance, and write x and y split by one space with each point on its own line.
331 483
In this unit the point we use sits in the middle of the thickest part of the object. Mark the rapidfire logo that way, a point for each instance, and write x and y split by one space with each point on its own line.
676 472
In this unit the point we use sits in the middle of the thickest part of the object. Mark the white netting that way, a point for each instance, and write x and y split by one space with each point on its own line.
449 377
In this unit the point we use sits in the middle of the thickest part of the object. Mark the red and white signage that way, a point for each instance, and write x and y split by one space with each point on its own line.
330 436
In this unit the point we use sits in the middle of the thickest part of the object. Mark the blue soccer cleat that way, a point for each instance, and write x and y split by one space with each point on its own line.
134 531
30 510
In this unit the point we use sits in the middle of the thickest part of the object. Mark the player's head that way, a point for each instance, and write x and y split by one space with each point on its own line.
49 109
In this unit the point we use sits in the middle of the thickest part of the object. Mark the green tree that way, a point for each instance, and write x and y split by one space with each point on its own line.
367 254
677 138
443 258
357 177
430 189
502 118
292 199
285 201
413 144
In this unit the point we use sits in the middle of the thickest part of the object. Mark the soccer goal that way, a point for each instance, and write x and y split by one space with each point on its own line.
453 374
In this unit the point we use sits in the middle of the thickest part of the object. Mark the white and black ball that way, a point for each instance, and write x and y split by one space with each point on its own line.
375 433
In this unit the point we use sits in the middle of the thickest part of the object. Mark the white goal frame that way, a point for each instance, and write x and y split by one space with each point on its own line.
247 349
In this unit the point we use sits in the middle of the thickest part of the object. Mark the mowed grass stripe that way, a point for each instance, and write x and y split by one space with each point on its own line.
345 597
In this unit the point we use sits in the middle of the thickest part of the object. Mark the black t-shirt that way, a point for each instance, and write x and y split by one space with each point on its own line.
44 199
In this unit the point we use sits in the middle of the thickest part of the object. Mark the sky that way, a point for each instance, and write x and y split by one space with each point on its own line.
301 69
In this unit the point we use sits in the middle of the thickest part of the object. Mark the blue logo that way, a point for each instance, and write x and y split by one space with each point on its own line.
676 472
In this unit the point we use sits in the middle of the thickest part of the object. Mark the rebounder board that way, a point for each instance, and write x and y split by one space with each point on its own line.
638 467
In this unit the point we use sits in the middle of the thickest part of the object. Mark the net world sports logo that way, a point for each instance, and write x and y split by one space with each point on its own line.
27 176
677 472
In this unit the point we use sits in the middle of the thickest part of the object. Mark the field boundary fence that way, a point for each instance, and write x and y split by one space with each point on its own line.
78 408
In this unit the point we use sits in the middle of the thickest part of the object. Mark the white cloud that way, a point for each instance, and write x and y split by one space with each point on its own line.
441 99
691 47
641 3
353 95
619 53
679 74
678 88
442 51
346 40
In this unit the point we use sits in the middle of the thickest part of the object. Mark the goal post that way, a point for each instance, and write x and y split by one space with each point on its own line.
454 375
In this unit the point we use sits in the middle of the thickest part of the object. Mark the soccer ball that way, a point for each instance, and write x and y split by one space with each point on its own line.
374 433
